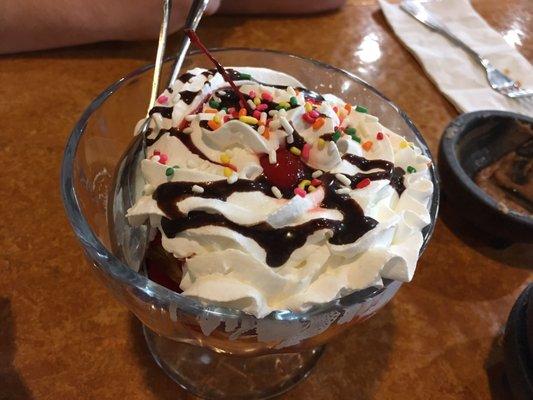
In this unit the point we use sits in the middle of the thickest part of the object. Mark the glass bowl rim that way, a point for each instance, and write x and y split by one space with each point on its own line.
96 251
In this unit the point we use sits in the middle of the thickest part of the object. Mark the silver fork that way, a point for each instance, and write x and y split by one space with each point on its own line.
497 79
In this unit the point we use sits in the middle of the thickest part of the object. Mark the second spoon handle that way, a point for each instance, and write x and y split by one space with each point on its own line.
193 19
167 8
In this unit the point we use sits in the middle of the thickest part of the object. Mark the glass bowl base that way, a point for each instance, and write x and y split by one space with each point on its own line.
212 375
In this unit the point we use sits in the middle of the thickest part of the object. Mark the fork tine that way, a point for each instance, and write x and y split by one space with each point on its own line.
520 93
505 90
514 92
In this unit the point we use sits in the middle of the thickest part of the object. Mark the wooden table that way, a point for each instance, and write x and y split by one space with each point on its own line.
62 335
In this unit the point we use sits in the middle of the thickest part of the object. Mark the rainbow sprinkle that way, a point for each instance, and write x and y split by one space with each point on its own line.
318 123
367 145
295 150
350 131
362 184
163 158
303 184
276 192
213 125
300 192
248 120
306 150
197 189
266 96
308 118
348 108
251 104
214 104
228 172
224 158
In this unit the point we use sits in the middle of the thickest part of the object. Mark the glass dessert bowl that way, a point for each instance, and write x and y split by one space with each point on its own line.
210 350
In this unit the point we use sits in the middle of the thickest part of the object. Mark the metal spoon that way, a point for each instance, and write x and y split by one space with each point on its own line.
193 19
128 242
156 80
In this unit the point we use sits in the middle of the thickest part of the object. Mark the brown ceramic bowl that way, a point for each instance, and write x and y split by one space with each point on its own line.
518 346
471 142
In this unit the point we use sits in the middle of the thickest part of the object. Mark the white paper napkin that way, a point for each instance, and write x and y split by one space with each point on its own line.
454 72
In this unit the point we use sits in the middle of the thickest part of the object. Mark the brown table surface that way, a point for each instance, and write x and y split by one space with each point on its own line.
63 336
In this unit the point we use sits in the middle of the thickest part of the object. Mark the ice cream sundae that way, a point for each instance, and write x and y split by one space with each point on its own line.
276 197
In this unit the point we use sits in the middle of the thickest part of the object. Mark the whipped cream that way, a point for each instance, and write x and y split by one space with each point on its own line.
353 217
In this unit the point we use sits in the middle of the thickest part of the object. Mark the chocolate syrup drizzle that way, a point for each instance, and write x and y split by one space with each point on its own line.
298 140
354 224
196 40
279 243
186 77
390 172
161 132
188 96
230 98
166 112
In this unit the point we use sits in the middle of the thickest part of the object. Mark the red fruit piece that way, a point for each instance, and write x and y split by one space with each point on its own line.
363 184
158 274
286 173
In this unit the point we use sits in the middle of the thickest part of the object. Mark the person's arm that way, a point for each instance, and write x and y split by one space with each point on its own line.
40 24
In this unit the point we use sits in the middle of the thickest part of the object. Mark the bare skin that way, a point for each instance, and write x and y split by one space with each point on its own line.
40 24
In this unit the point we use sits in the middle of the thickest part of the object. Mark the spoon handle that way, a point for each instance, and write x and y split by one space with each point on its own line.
161 44
193 19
